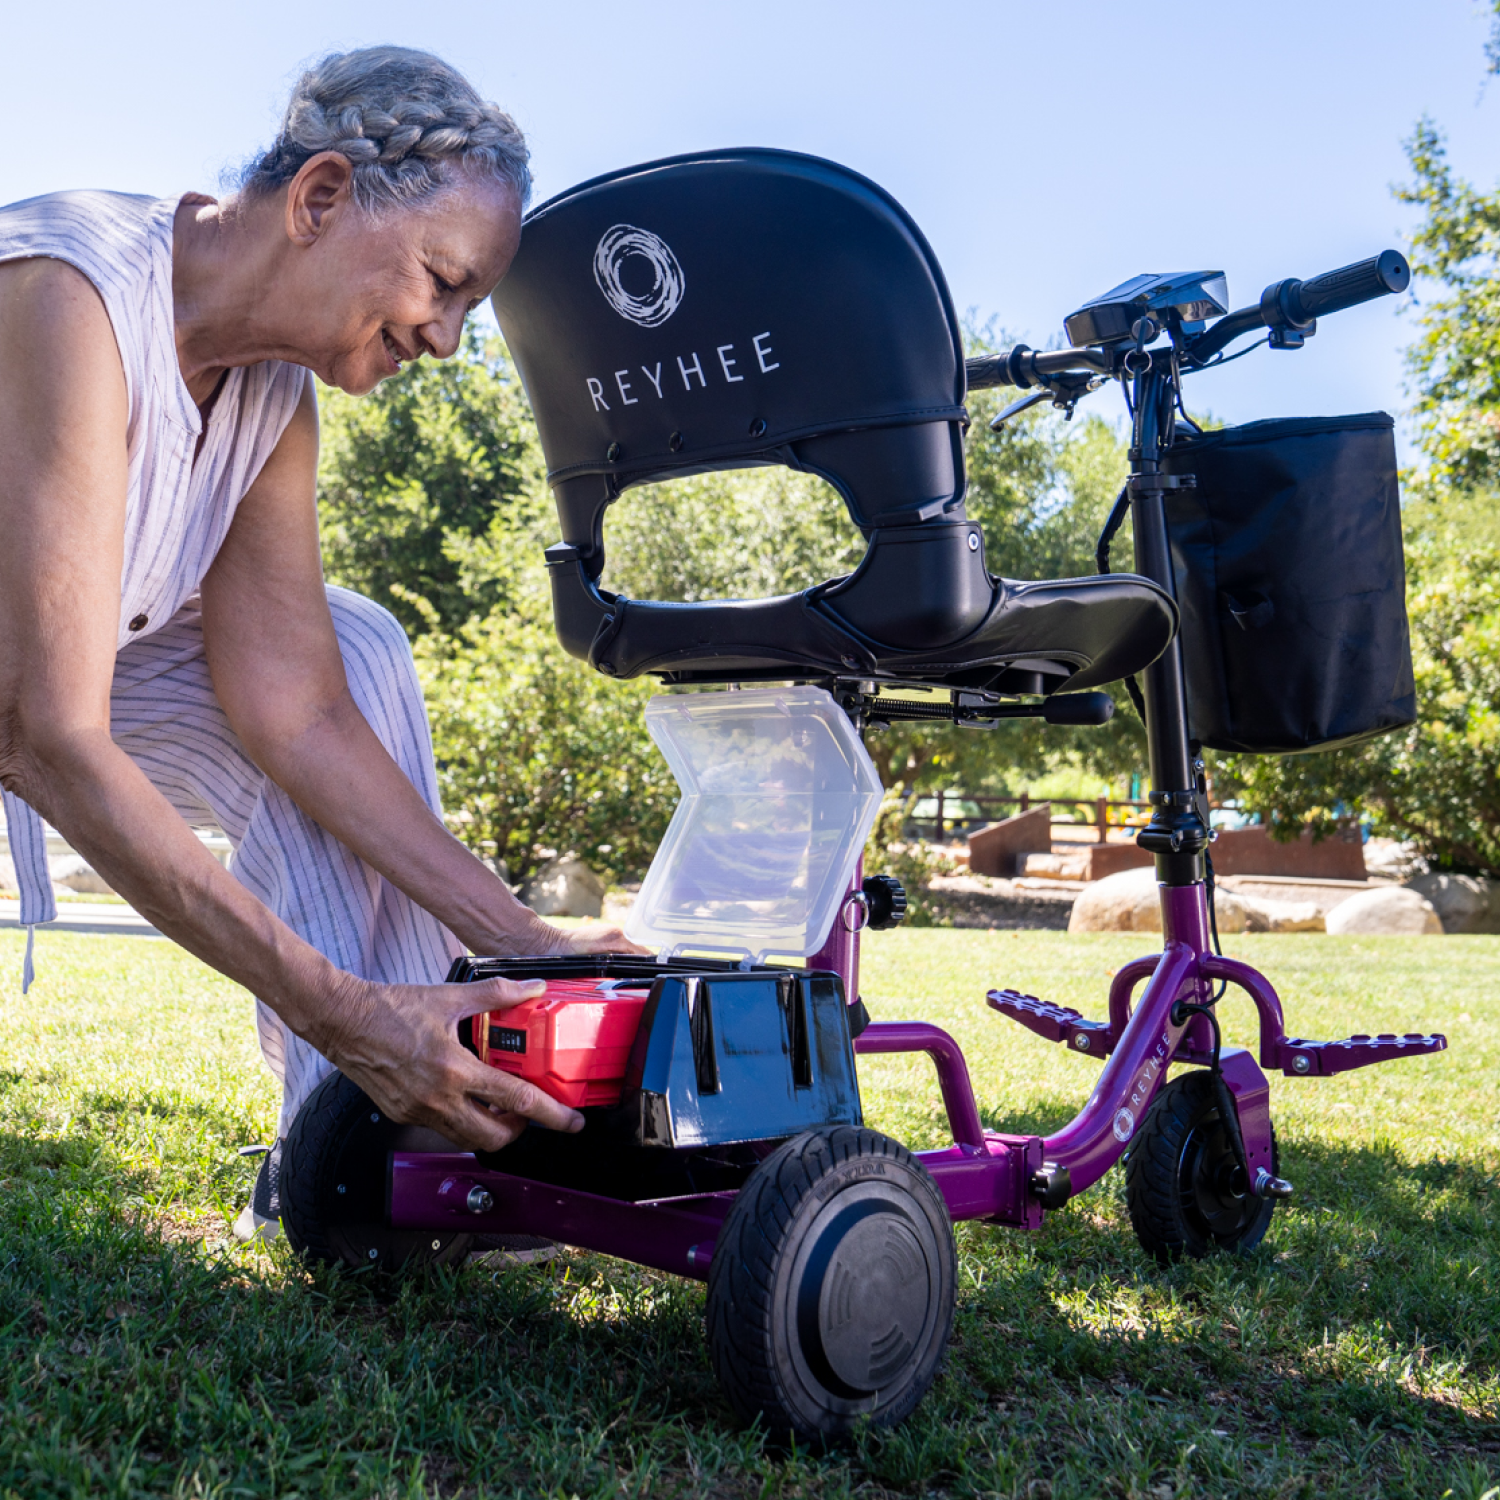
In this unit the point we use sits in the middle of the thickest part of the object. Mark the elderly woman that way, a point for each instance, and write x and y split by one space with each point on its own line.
172 655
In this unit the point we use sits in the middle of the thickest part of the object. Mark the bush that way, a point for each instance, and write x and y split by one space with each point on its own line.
416 475
539 753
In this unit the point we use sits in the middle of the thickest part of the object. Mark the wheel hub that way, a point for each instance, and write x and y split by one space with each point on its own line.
1213 1186
866 1283
871 1301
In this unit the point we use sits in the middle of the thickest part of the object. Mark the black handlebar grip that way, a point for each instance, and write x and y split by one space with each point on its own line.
1079 708
988 370
1333 291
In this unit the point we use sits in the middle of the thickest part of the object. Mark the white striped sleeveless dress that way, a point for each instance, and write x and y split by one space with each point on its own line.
163 712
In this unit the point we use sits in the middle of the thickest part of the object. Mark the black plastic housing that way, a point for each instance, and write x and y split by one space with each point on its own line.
723 1054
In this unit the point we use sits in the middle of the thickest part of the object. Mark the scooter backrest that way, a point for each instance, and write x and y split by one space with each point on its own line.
734 308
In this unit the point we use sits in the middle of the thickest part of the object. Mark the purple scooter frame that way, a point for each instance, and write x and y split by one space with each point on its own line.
984 1174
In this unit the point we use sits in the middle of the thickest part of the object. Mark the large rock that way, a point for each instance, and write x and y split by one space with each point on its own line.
564 888
1388 911
1464 903
1281 916
1109 905
1131 902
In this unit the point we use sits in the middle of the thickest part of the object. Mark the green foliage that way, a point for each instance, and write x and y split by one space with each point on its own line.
536 751
742 534
889 852
432 501
417 475
1456 360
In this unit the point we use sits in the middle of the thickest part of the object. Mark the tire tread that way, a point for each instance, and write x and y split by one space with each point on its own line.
1151 1184
741 1281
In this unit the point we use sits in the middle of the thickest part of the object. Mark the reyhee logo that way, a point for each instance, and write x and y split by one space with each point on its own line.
623 244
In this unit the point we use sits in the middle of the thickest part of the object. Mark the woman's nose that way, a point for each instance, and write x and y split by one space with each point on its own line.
443 334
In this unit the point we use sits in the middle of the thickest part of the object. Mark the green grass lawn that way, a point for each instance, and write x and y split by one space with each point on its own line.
1354 1354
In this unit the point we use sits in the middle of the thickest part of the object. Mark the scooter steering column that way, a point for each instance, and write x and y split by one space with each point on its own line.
1177 834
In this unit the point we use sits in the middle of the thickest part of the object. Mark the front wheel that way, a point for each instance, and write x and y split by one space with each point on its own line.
1186 1193
334 1166
830 1292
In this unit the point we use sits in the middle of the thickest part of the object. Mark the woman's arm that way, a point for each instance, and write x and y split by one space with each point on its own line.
62 510
279 675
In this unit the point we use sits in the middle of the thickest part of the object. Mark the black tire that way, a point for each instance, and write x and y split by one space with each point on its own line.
334 1164
830 1292
1186 1192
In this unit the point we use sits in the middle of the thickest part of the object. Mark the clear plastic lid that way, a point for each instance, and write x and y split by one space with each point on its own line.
778 798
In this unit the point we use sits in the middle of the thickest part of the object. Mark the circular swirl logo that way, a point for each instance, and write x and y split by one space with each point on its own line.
617 247
1124 1125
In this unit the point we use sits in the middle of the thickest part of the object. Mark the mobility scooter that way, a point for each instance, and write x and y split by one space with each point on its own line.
755 307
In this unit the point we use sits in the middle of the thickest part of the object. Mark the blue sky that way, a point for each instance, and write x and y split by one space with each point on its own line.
1048 151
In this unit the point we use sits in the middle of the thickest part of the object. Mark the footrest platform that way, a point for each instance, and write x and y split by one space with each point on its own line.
1058 1023
1300 1058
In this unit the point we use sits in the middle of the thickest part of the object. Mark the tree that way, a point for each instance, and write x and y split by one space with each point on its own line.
537 753
415 476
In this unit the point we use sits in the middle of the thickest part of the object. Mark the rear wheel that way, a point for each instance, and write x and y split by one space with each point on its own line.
830 1292
334 1165
1186 1192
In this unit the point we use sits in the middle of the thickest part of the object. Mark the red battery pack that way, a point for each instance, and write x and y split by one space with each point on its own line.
573 1042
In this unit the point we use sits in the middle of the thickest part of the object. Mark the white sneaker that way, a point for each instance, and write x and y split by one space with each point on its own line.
250 1225
261 1216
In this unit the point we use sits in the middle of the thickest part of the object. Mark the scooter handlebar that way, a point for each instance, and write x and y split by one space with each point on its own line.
1024 365
1364 281
1292 302
988 370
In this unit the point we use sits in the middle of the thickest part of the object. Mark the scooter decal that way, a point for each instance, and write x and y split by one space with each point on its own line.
1144 1083
625 242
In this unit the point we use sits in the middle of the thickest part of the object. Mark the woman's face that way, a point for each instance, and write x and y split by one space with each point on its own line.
375 291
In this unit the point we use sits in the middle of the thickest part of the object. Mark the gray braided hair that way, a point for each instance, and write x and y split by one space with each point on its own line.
403 118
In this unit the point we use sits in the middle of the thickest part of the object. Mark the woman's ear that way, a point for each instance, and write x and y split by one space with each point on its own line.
315 196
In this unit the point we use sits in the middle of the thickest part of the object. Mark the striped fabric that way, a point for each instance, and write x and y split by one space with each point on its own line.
164 715
163 710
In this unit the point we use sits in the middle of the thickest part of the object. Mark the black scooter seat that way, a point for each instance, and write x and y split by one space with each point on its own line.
740 308
1035 637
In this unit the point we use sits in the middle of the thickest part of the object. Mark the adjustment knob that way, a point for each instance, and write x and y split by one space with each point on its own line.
885 898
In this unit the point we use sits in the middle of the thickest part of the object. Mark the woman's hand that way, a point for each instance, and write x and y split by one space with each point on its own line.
597 937
400 1044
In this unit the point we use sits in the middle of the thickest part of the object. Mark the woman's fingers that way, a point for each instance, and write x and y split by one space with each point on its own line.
600 937
407 1057
491 994
505 1094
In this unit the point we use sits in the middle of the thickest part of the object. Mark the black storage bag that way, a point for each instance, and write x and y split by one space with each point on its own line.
1292 583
